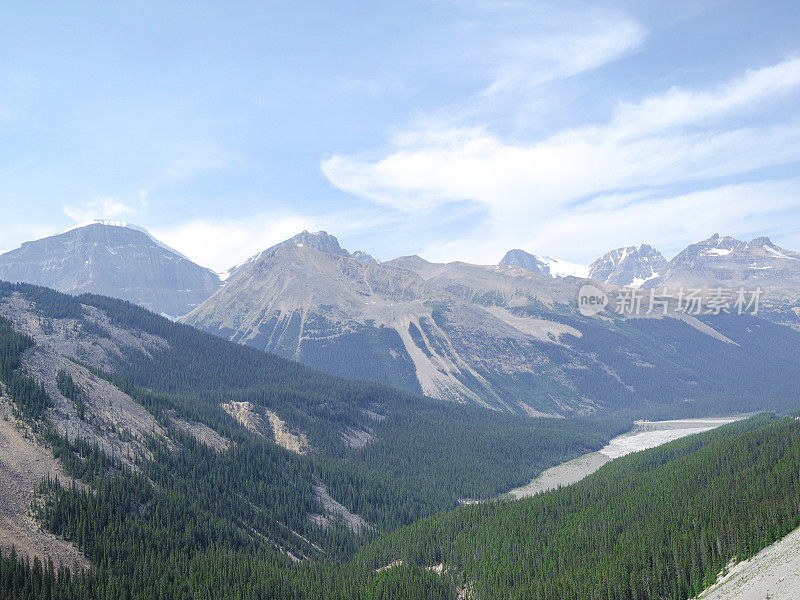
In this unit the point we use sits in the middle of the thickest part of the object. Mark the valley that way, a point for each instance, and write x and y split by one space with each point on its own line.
234 458
426 300
645 435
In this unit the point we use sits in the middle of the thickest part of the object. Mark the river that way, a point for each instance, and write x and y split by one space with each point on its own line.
644 435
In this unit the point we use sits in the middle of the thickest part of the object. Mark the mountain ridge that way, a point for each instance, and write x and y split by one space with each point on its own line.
500 336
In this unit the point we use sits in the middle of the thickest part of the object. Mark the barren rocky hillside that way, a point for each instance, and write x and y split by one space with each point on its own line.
500 336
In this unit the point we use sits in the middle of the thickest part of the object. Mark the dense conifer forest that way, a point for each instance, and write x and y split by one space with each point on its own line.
194 523
662 523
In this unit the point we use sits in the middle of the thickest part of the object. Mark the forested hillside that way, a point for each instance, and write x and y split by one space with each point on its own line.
658 524
180 517
246 518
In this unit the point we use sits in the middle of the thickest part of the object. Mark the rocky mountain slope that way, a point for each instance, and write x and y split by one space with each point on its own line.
272 453
317 240
112 259
500 336
773 573
631 266
728 262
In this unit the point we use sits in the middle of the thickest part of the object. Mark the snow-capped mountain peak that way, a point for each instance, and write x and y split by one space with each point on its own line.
632 266
546 265
724 261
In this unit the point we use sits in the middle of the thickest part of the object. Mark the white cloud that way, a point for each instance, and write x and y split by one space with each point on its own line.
681 107
103 208
670 223
566 45
221 244
517 180
609 172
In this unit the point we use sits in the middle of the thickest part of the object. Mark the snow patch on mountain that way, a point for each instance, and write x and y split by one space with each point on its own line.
719 251
631 266
564 268
546 265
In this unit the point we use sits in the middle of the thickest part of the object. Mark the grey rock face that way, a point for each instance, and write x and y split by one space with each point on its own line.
116 261
629 266
321 241
524 260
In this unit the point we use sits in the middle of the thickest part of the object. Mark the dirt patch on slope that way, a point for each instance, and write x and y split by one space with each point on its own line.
247 415
113 420
268 424
297 443
23 465
335 511
202 433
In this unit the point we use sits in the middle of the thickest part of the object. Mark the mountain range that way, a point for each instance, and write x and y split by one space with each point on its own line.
168 462
506 336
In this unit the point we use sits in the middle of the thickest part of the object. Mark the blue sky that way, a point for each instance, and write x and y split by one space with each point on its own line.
450 129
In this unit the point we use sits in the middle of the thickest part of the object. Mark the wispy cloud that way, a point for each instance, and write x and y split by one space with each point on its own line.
679 107
670 222
220 244
559 43
673 138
